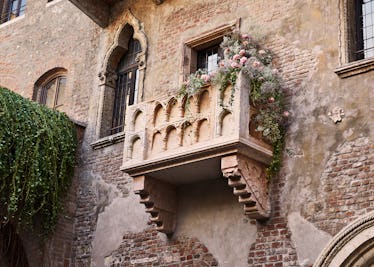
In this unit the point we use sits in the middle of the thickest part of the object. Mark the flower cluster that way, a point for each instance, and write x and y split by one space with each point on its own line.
243 54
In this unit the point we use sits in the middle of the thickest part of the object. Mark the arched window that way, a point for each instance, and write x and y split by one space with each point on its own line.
121 80
126 85
50 88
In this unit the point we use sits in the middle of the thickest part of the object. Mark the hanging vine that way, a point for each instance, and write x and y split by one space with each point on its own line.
37 159
242 53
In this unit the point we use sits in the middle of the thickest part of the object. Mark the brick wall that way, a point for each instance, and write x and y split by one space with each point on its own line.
147 249
347 187
103 165
273 246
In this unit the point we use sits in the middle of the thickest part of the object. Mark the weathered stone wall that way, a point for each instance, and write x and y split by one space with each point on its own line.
49 36
325 180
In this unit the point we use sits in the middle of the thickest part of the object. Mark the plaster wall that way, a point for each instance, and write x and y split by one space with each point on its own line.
217 219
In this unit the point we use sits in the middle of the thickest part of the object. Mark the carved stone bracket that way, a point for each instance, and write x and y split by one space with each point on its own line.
108 78
160 201
248 180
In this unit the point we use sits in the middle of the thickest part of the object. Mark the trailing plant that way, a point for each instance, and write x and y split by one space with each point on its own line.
242 53
37 159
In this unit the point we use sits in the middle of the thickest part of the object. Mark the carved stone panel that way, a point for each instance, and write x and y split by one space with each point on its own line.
248 180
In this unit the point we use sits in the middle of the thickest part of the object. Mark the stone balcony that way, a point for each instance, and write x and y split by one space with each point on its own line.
171 142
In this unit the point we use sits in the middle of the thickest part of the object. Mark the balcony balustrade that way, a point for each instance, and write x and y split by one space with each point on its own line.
174 141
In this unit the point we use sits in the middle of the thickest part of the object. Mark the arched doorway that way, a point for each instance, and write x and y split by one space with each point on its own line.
352 246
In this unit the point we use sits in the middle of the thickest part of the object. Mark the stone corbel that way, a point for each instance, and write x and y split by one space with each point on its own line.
248 180
141 60
108 78
160 200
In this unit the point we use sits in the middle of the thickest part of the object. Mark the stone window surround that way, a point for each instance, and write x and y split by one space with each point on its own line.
351 245
108 77
346 68
15 20
192 45
46 78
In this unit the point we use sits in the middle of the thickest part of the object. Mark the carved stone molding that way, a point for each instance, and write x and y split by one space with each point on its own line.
108 78
248 180
160 201
352 246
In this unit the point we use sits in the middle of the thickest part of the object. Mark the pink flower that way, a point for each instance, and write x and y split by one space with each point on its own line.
271 99
236 57
222 64
227 50
245 43
256 64
286 114
242 52
205 77
235 65
245 36
243 60
275 71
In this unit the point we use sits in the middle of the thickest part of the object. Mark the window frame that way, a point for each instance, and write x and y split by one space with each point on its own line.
129 73
347 31
205 40
6 10
55 75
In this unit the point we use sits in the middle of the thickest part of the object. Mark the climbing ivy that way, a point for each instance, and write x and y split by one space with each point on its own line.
37 159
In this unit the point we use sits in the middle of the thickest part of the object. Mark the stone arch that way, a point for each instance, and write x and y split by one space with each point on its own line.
225 126
172 137
158 115
136 147
122 35
352 246
172 110
44 79
157 143
187 134
204 101
130 27
203 130
138 120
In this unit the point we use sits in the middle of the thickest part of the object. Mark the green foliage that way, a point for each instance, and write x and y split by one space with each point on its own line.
242 53
37 159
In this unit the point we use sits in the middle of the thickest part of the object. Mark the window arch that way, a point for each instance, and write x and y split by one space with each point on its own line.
126 88
352 246
121 79
50 89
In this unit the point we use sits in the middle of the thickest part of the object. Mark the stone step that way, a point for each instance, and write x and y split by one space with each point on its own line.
246 199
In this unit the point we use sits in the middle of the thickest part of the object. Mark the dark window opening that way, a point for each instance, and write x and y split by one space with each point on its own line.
208 58
362 39
10 9
126 87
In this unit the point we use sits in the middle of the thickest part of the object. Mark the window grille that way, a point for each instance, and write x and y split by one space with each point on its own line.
126 86
10 9
362 42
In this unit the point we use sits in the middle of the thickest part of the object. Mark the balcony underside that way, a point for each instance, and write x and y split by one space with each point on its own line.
100 11
169 144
